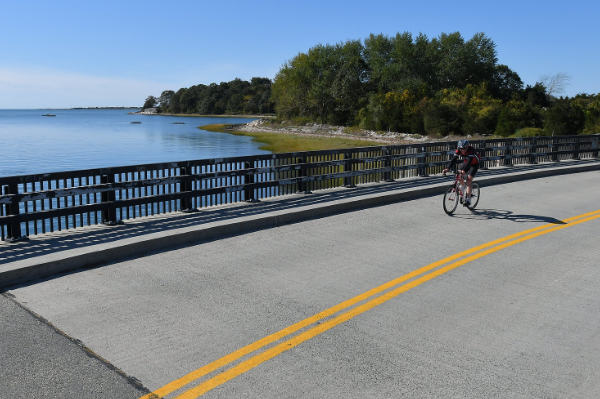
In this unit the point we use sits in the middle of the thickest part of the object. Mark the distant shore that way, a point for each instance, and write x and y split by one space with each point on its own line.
205 116
104 108
63 109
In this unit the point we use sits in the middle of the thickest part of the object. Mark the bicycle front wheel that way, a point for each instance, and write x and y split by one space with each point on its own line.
475 194
450 200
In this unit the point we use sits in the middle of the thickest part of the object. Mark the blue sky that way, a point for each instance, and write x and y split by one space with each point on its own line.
108 53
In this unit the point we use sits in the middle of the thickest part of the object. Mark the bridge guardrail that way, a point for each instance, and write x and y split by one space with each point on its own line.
41 203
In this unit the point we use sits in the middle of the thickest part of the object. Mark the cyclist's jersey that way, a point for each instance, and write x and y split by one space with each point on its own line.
470 159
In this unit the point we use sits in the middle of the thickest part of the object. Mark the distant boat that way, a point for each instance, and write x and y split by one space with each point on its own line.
49 115
178 123
136 122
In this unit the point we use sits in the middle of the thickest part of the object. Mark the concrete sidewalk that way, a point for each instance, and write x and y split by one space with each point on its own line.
46 255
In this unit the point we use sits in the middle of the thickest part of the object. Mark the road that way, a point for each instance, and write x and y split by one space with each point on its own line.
515 318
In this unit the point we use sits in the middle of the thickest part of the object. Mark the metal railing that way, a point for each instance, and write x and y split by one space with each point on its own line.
41 203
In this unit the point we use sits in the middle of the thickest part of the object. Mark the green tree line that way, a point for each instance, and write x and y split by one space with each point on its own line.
234 97
439 86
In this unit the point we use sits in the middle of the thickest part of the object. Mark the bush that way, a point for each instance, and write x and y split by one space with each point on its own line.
529 132
302 120
441 120
515 115
592 130
564 118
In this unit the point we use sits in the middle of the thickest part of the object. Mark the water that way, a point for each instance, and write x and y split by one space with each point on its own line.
82 139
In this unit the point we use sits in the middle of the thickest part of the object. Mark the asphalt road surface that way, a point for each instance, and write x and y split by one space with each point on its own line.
384 302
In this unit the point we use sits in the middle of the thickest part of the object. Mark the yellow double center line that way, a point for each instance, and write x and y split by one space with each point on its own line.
242 367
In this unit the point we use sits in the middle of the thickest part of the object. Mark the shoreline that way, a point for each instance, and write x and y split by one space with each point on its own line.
329 131
289 137
278 142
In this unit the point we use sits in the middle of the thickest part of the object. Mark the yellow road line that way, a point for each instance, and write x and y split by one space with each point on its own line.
194 375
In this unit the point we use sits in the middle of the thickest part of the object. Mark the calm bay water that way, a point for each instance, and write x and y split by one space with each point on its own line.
82 139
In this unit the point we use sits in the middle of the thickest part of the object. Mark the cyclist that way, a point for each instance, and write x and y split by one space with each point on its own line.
470 165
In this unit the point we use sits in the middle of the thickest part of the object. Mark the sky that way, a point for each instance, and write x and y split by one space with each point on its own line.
61 54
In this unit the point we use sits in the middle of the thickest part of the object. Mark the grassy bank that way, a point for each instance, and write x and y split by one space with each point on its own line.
280 142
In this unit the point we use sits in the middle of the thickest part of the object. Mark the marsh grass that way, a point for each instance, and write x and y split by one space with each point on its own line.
280 142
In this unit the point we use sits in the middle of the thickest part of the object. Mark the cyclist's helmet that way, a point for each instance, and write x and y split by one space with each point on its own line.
462 144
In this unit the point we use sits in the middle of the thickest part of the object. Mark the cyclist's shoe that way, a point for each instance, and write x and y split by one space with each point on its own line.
467 202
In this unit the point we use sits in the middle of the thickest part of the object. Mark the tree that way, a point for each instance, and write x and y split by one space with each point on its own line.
536 95
505 83
555 84
164 101
290 87
441 120
481 110
403 83
323 70
373 116
347 88
461 63
235 103
424 62
564 118
590 104
150 102
175 104
234 97
516 114
377 55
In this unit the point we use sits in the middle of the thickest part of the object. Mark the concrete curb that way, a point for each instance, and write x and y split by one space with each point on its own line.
45 266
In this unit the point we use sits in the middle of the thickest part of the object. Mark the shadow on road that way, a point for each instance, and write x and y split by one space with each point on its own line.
487 214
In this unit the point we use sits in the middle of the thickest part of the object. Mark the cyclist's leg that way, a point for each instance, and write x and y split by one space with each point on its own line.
464 178
463 185
469 181
470 176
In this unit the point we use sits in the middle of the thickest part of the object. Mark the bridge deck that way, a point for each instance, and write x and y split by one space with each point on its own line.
520 321
46 255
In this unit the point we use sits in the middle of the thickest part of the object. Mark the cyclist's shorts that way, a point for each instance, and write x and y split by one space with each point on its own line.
471 170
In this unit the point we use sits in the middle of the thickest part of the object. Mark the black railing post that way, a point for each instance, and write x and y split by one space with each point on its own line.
421 164
186 187
576 149
482 147
387 163
555 149
348 180
13 232
533 151
109 213
303 172
595 146
249 179
508 153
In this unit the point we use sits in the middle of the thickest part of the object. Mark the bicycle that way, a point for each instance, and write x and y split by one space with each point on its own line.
456 193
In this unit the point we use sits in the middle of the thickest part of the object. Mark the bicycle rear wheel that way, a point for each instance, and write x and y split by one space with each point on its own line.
450 200
475 194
